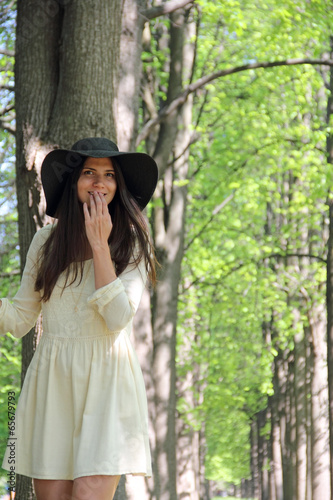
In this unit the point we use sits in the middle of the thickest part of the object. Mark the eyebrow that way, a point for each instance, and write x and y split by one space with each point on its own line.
92 168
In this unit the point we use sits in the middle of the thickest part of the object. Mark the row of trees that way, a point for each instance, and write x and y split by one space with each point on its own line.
233 339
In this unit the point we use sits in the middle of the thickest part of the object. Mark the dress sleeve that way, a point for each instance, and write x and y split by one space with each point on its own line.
118 301
20 316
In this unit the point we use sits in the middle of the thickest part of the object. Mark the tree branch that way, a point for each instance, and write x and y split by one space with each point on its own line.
299 255
5 11
6 109
201 82
216 210
8 128
164 8
7 87
9 53
9 275
239 266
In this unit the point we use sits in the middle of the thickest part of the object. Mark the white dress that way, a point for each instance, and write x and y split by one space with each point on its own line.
83 407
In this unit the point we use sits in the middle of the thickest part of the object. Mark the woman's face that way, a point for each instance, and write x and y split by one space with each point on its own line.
98 175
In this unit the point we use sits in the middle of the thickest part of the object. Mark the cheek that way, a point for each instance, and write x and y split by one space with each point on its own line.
81 188
83 183
112 186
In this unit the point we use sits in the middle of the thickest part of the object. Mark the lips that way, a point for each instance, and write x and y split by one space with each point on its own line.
92 192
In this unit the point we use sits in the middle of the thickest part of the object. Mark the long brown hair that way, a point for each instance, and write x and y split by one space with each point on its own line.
67 245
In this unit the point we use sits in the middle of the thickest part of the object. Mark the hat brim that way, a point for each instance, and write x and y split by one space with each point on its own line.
139 170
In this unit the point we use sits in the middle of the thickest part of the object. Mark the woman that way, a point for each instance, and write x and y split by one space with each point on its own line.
81 420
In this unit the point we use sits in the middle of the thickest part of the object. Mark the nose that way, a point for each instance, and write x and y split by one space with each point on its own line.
98 180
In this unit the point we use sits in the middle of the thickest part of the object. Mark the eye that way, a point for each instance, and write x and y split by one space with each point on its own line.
110 174
87 172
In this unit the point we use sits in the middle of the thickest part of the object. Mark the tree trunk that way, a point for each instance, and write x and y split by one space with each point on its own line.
126 110
187 442
308 378
254 461
277 471
204 484
128 90
301 421
263 456
280 392
139 487
121 490
292 423
329 285
36 74
64 80
84 101
169 242
320 429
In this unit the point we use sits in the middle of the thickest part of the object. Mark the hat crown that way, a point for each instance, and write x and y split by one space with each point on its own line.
95 144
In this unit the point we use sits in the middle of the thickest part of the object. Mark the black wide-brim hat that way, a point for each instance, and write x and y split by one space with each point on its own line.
139 170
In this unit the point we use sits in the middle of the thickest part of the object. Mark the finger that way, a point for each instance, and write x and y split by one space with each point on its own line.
98 202
86 211
92 205
104 205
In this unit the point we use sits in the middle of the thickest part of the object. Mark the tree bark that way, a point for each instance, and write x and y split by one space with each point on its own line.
329 284
277 471
282 392
126 110
65 77
263 456
301 420
121 490
169 242
321 487
36 75
254 460
139 487
187 448
309 367
84 100
128 90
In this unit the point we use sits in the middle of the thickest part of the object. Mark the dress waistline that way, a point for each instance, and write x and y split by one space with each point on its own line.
49 336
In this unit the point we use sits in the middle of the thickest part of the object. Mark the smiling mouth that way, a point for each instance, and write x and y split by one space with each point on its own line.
92 192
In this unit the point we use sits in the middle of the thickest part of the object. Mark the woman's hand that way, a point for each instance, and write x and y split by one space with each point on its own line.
97 221
98 228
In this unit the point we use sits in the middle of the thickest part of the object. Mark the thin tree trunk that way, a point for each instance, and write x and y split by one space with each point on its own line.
204 484
308 406
329 285
282 392
126 110
254 462
139 487
321 487
301 424
263 456
292 433
169 241
277 471
187 454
